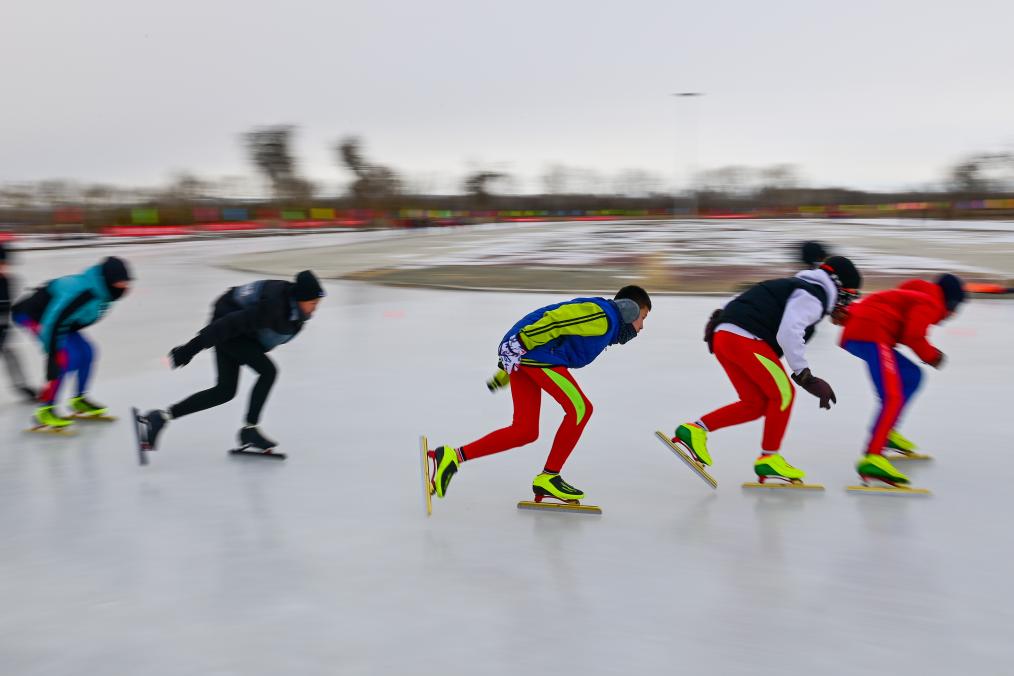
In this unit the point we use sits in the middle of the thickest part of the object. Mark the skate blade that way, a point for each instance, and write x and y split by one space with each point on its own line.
560 506
142 448
99 418
784 484
908 456
263 454
428 488
56 431
688 460
888 490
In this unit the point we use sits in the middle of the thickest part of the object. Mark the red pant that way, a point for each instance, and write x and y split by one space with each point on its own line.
763 386
527 384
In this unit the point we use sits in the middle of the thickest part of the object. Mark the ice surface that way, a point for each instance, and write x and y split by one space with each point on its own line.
207 564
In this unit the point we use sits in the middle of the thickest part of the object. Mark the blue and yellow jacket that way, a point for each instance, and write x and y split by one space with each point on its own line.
570 334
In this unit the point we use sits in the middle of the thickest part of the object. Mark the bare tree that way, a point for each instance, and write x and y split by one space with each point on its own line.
477 184
983 173
271 152
373 182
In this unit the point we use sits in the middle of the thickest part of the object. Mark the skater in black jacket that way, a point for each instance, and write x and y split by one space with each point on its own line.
247 322
14 370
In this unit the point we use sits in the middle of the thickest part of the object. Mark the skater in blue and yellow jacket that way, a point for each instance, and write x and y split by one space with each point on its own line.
55 313
535 355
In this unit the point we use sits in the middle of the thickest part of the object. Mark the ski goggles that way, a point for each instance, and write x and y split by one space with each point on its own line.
846 297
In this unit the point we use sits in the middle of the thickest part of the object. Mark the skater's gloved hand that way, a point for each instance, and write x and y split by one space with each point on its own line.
511 351
182 354
500 380
709 330
52 370
938 363
815 386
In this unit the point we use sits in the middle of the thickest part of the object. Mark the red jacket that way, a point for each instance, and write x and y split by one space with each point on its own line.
901 315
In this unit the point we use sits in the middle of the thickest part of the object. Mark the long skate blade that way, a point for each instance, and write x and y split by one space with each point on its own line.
688 460
909 456
262 454
97 418
783 484
55 431
424 444
888 490
142 455
559 506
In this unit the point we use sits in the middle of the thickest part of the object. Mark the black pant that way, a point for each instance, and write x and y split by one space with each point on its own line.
229 356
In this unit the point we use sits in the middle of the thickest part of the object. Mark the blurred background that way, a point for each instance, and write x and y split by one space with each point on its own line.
223 117
410 152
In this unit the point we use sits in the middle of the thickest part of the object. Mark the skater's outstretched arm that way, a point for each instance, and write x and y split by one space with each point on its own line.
573 319
917 323
221 330
57 312
802 311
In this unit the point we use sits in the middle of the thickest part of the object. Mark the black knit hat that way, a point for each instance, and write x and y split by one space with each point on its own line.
843 272
954 290
115 270
307 287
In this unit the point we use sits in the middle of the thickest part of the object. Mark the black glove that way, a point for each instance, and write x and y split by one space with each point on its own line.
938 363
815 386
182 354
709 330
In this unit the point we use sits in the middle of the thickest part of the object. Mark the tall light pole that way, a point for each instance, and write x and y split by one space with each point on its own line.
692 135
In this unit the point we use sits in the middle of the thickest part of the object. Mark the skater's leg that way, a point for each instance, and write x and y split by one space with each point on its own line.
524 429
737 355
81 356
911 379
780 395
561 386
223 391
254 357
883 367
49 391
14 369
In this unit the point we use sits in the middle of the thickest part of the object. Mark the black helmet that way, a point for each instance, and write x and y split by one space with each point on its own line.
954 290
843 272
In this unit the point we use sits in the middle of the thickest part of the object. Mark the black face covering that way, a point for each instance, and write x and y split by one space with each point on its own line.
115 270
627 333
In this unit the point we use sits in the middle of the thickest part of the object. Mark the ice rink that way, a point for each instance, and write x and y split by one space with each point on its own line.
205 564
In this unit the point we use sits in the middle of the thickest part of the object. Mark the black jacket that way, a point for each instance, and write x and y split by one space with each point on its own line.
760 308
5 308
263 310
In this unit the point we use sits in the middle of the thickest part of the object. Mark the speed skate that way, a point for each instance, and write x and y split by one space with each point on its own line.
684 455
551 503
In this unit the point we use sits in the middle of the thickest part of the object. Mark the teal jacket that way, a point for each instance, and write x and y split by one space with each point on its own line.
65 305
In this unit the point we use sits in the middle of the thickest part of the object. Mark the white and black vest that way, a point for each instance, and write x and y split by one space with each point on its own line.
760 308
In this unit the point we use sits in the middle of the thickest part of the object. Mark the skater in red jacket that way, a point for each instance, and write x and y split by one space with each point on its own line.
874 327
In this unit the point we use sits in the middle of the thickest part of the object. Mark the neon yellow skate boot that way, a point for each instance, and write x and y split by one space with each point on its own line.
87 409
896 442
46 419
695 438
774 466
553 485
447 466
873 466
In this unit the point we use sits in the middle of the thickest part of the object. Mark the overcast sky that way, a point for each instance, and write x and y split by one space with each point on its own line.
867 94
